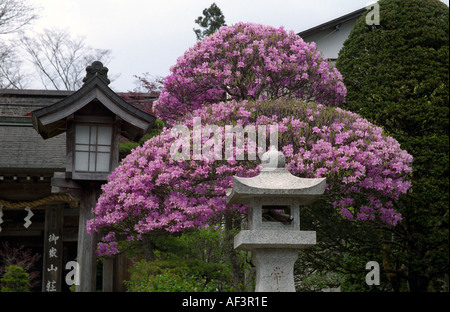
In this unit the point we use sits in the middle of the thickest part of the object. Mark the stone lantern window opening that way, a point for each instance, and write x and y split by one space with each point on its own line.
276 213
266 213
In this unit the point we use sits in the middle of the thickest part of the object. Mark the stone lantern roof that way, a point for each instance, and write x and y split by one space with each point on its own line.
275 180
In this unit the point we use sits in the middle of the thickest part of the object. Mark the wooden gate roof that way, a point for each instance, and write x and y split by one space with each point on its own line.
50 121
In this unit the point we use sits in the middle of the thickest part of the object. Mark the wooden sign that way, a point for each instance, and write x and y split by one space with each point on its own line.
52 270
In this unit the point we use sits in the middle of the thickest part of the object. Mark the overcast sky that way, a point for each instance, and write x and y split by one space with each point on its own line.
149 35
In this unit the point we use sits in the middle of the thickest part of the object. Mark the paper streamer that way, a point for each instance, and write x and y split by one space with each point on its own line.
28 217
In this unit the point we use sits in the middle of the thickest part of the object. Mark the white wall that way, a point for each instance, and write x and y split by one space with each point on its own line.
330 41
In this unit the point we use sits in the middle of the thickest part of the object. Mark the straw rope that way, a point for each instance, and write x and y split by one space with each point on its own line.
57 197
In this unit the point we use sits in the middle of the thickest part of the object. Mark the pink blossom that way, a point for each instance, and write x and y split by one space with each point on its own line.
226 65
151 192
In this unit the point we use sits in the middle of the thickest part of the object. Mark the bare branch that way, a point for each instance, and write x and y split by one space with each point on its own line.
61 60
11 73
15 14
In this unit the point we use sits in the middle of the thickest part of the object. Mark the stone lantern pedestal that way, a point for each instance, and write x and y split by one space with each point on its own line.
273 235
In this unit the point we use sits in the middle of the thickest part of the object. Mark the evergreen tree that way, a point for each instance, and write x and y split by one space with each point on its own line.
15 279
211 21
396 75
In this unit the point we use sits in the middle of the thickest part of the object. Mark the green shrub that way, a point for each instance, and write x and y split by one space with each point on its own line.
173 276
397 76
15 279
167 282
194 261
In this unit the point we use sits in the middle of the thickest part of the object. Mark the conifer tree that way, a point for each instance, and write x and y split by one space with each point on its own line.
211 21
396 75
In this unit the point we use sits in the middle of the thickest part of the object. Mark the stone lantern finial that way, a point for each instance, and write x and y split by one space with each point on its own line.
272 159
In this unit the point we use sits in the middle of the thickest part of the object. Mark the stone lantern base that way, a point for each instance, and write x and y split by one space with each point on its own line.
274 269
274 253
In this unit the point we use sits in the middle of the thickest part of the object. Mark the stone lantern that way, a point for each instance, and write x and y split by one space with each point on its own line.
273 236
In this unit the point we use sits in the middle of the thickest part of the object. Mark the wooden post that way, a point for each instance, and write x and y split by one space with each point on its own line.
115 272
53 268
108 272
121 266
86 242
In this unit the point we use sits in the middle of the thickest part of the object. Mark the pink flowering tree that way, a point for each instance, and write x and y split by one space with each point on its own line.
249 75
244 62
151 192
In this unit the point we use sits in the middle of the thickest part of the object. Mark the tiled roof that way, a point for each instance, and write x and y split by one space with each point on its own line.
21 147
22 102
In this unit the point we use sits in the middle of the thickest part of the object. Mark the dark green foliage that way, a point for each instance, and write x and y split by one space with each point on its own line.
342 251
126 147
397 76
211 21
194 261
15 279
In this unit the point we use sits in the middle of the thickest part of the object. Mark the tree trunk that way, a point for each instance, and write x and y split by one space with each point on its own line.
236 267
148 247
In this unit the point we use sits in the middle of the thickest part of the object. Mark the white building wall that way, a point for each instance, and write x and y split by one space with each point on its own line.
330 40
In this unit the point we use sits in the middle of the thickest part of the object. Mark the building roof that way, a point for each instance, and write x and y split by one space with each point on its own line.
21 103
21 147
47 120
35 93
333 23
